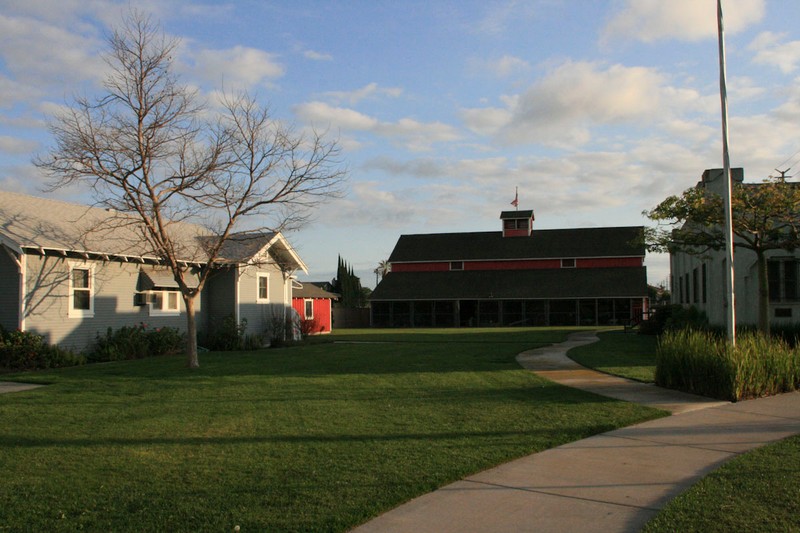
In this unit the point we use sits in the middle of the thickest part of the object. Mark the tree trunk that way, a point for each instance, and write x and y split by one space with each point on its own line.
763 294
191 334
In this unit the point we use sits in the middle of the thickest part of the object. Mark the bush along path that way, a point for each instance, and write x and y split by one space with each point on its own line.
704 363
616 481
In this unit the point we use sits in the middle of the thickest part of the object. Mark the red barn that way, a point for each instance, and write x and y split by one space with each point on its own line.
516 276
313 304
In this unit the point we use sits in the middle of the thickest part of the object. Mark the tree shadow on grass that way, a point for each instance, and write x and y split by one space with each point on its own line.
99 442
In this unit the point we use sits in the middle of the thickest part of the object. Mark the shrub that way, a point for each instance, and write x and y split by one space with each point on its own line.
230 336
136 342
23 350
704 363
309 326
281 331
672 317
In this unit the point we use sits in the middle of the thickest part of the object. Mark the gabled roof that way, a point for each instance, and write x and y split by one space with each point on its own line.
312 289
542 244
622 282
41 224
256 246
516 214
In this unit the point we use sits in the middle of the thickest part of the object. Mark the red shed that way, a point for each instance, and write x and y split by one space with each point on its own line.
313 303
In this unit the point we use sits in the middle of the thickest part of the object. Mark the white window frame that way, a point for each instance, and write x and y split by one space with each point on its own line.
80 313
164 309
259 277
307 301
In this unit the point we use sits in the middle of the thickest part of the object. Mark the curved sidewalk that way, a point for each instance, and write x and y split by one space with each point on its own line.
12 386
613 482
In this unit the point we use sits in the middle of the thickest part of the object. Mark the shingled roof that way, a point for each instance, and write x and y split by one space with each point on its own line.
542 244
620 282
43 224
312 289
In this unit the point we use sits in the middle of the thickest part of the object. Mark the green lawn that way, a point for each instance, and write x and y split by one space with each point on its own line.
758 491
629 355
313 438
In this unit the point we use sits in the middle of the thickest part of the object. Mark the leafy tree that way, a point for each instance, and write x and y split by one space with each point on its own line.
766 216
152 153
348 286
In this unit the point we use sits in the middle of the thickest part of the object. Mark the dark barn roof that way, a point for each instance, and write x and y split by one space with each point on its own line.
542 244
619 282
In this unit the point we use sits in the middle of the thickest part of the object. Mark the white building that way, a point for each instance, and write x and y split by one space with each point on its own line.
699 280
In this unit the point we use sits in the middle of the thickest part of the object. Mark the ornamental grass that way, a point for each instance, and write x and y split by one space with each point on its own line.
704 363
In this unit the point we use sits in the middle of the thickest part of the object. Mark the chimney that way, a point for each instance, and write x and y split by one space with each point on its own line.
517 223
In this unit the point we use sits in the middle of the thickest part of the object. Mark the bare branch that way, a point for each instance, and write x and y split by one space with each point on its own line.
186 184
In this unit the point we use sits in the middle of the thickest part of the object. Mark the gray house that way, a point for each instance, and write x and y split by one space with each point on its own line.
69 272
699 279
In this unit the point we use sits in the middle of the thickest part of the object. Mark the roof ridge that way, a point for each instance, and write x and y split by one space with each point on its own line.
534 231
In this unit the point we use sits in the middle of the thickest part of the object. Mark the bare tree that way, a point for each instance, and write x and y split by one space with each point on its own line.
149 151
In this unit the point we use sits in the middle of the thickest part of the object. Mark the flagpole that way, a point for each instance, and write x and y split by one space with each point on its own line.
729 270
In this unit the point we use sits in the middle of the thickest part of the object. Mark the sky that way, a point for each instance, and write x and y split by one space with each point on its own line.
595 110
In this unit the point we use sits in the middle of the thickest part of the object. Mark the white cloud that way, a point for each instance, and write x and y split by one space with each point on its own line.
690 20
501 67
370 201
317 56
486 121
12 91
337 117
414 135
417 136
770 50
37 53
418 167
237 68
370 90
561 108
15 145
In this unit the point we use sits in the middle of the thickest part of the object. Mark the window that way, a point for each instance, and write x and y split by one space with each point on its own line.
456 265
782 277
309 309
568 263
263 288
705 283
165 303
81 291
695 286
686 287
515 223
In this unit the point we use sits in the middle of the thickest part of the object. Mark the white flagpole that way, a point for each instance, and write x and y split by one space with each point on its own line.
729 271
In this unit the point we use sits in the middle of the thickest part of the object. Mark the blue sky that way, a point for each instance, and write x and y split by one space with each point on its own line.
596 110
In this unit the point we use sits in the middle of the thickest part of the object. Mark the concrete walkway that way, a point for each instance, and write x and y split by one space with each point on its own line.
11 386
614 482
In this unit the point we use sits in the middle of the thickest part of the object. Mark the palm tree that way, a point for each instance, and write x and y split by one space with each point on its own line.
384 267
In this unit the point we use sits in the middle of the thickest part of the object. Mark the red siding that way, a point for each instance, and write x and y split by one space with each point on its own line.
522 264
322 313
516 233
532 264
